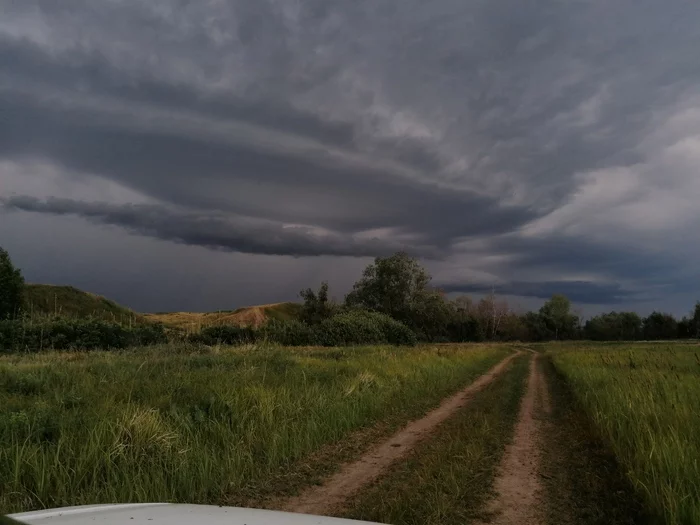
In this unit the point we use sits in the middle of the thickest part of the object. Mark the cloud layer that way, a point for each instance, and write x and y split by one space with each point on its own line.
527 146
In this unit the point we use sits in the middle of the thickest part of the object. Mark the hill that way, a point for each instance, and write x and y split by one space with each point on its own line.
44 300
247 316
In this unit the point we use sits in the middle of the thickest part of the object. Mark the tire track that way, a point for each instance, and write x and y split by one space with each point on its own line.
331 496
518 487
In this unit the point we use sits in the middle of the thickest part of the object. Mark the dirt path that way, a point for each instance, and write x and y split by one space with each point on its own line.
518 488
331 496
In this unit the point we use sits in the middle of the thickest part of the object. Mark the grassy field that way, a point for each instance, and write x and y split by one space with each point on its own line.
43 300
166 424
255 316
448 479
644 399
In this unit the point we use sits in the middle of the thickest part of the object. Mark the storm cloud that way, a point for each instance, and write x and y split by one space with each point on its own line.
530 147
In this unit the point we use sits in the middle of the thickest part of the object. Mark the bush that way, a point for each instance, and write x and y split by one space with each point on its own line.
360 327
225 335
71 334
287 333
148 334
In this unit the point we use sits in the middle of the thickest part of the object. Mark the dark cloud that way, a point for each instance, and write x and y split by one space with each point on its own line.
215 231
545 146
578 291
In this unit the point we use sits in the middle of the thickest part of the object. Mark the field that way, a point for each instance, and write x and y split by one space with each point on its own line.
645 400
254 316
549 433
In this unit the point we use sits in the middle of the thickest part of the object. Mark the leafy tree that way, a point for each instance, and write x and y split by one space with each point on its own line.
614 326
557 317
536 327
694 325
660 326
11 287
391 285
685 330
317 306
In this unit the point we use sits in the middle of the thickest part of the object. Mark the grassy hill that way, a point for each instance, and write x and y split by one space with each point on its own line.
247 316
43 300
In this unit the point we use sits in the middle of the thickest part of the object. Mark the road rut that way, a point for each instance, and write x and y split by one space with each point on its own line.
331 496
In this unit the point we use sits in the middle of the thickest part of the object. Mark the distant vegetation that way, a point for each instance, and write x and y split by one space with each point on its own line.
253 316
393 302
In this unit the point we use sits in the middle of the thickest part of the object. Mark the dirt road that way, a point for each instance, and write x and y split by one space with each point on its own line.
518 488
330 497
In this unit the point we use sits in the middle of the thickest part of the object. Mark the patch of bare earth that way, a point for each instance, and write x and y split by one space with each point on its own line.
519 493
330 497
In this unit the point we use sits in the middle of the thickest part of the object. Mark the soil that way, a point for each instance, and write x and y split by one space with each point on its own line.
519 493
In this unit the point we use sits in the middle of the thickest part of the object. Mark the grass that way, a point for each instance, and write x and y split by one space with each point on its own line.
167 424
644 401
449 478
581 476
192 322
43 300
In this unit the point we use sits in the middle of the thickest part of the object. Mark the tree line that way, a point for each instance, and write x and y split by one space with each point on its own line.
392 302
398 286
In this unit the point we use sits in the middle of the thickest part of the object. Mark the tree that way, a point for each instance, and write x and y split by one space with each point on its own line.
614 326
557 317
11 287
660 326
317 306
694 324
391 285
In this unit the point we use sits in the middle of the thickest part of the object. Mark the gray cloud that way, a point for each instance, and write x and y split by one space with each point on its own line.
578 291
236 234
555 140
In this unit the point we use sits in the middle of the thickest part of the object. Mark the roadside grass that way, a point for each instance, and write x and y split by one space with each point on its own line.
188 424
583 481
449 478
645 402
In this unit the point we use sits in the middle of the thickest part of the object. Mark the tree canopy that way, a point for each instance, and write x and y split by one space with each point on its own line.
11 287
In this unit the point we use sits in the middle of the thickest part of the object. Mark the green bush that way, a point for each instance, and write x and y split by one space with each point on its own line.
359 327
287 333
72 334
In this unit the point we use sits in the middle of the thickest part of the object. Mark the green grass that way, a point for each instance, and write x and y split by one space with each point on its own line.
166 424
449 478
644 400
42 300
581 476
284 311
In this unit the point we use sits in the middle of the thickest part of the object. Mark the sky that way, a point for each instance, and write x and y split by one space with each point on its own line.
202 155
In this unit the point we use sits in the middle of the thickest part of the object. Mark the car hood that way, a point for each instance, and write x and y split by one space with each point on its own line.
172 514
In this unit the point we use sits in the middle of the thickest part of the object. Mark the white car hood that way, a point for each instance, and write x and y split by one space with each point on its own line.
172 514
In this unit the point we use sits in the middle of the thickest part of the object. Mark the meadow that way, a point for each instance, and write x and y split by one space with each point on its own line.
644 400
198 424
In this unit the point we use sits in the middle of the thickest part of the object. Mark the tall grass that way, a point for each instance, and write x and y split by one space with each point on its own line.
449 478
646 402
166 424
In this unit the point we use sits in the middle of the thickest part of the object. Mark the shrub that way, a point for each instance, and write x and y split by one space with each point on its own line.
360 327
287 333
72 334
148 334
